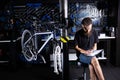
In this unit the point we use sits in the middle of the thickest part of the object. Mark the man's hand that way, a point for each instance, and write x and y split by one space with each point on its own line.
86 52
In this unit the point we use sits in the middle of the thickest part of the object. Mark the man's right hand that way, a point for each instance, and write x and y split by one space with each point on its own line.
86 52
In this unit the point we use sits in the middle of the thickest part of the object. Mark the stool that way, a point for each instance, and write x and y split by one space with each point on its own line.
84 74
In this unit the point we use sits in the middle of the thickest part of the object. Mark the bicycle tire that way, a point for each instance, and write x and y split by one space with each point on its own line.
57 58
27 46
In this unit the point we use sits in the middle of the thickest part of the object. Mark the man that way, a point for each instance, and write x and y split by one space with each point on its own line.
86 40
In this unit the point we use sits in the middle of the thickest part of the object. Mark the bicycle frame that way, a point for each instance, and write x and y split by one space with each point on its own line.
47 40
56 48
44 44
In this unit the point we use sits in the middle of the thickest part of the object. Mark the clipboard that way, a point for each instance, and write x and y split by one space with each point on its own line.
95 52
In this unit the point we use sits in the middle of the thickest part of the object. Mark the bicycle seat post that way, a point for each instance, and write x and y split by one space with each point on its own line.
35 37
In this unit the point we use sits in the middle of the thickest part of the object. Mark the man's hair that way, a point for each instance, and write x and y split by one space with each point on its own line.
86 21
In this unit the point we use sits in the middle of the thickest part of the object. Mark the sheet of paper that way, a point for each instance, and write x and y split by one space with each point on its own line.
95 52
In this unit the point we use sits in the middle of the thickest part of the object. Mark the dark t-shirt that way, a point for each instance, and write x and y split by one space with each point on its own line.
85 42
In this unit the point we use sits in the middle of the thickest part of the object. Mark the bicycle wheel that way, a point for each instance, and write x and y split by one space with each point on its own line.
27 44
57 58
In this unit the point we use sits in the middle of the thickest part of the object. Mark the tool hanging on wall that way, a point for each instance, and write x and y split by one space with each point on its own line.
64 39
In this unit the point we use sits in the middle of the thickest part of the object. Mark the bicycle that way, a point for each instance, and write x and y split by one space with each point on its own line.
30 48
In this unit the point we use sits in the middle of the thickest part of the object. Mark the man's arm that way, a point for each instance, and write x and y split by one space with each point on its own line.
82 50
94 47
86 52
